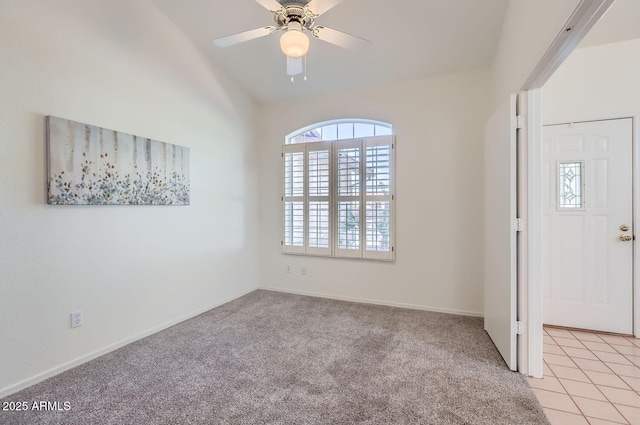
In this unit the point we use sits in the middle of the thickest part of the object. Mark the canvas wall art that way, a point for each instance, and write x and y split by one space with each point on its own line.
89 165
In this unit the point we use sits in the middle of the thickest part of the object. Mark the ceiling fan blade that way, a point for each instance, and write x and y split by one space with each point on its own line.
318 7
339 38
271 5
243 36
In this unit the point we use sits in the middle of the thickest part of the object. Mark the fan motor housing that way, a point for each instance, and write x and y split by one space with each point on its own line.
295 13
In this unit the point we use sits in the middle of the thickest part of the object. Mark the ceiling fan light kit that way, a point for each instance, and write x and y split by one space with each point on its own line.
294 43
296 18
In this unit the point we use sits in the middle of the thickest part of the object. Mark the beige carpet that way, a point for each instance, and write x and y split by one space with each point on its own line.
272 358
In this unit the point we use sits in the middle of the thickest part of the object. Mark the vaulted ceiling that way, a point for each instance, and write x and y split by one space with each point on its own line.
410 39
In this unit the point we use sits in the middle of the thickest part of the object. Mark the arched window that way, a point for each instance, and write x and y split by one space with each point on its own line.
339 130
338 190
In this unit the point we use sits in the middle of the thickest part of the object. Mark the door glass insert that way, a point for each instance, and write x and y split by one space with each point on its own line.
570 185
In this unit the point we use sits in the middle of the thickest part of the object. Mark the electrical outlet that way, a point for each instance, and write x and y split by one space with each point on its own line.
288 268
76 319
303 270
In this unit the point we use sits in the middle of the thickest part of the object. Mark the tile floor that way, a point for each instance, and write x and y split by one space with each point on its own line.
589 378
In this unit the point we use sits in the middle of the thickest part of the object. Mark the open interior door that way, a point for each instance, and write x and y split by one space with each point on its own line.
500 230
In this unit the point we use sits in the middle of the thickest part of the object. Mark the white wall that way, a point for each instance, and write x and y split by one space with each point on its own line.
529 29
595 83
439 126
131 269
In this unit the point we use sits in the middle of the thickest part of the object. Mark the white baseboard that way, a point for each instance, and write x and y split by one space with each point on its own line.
12 389
376 302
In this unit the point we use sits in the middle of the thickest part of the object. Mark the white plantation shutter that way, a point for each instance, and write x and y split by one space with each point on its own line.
348 160
293 199
378 198
365 198
318 198
338 197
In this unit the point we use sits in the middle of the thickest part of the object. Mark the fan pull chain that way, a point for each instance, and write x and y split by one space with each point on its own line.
293 80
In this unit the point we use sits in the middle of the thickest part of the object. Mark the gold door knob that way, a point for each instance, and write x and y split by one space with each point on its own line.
625 238
624 227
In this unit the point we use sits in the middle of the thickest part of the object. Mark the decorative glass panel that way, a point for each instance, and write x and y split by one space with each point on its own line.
349 172
294 223
377 173
319 173
294 174
319 224
349 225
570 185
377 222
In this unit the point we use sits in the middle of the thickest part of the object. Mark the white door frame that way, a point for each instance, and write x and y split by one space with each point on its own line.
636 221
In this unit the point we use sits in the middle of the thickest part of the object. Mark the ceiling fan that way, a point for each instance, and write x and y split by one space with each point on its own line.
296 18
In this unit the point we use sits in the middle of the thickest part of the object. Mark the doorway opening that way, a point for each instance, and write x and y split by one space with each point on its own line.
596 82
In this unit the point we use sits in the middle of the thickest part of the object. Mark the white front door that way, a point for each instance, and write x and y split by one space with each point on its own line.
587 225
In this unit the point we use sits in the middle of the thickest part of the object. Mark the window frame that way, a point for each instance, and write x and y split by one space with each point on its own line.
363 197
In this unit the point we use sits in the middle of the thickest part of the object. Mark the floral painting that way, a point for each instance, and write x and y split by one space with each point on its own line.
90 165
